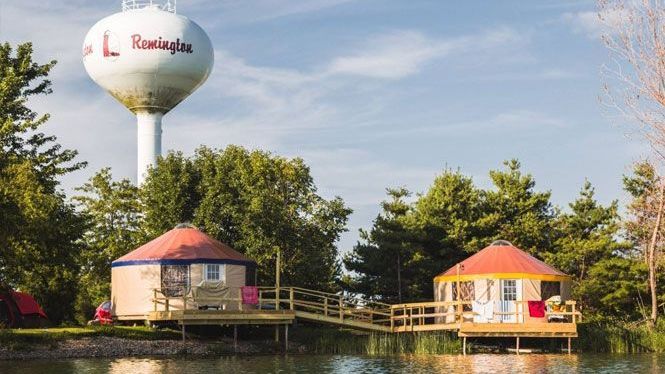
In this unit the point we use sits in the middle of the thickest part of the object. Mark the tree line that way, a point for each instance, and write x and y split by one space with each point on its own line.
413 240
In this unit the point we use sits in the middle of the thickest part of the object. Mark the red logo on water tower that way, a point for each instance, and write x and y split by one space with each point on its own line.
111 46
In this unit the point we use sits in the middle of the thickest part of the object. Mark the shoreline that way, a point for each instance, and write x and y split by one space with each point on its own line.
115 347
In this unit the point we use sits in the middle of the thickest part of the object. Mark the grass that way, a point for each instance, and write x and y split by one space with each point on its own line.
341 341
620 338
17 339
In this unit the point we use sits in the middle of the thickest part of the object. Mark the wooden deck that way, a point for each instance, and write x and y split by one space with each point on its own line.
224 317
281 306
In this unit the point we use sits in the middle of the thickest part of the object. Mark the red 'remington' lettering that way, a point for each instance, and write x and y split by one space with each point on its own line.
160 44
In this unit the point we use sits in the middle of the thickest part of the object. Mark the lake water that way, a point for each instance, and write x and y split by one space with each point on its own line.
476 363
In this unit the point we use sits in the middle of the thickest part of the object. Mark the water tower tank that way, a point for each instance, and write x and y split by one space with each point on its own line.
150 59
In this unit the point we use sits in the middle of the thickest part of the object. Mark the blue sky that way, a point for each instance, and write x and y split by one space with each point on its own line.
370 93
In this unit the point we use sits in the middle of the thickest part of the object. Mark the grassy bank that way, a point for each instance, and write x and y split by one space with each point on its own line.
593 337
303 339
24 338
620 338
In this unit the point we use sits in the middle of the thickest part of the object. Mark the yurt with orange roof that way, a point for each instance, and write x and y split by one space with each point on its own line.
498 282
181 260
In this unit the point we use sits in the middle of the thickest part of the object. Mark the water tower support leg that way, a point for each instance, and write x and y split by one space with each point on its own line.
149 142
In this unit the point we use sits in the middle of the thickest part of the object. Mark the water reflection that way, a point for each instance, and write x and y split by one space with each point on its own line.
477 363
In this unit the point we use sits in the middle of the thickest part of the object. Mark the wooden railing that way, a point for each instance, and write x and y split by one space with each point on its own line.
343 309
440 313
322 304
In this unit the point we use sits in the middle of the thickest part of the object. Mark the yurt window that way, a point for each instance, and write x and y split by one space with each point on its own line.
215 273
467 291
509 290
549 289
175 278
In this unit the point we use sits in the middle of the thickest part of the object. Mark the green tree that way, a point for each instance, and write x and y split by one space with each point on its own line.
645 224
587 245
514 211
586 235
257 203
169 194
383 263
113 215
38 228
613 288
445 220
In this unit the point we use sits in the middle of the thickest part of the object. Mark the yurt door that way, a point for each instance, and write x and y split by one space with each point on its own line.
511 291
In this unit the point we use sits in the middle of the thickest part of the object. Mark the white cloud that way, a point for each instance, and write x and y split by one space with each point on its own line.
403 53
392 56
591 23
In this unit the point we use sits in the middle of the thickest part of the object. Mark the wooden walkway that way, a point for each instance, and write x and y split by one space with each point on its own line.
281 306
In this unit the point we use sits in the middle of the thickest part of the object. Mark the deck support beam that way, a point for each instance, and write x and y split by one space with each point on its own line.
464 346
568 345
235 338
276 333
286 338
517 345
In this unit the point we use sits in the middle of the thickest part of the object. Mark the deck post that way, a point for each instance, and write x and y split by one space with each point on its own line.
517 308
392 319
574 320
341 311
235 338
406 321
568 345
286 338
325 306
183 330
184 301
464 346
154 300
277 280
517 348
291 298
260 299
276 333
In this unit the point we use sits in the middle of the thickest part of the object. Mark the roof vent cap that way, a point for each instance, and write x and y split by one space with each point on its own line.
501 243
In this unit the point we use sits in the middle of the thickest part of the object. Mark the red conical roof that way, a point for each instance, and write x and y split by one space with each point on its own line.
183 245
502 260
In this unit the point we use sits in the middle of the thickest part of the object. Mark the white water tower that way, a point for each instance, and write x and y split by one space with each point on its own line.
150 59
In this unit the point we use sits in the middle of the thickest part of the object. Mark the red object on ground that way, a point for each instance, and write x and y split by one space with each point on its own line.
27 305
250 295
502 258
103 313
536 308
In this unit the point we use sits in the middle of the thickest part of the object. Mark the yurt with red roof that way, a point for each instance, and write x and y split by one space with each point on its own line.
498 282
181 260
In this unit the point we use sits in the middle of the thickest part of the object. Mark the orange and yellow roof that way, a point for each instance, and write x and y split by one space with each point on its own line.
502 260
